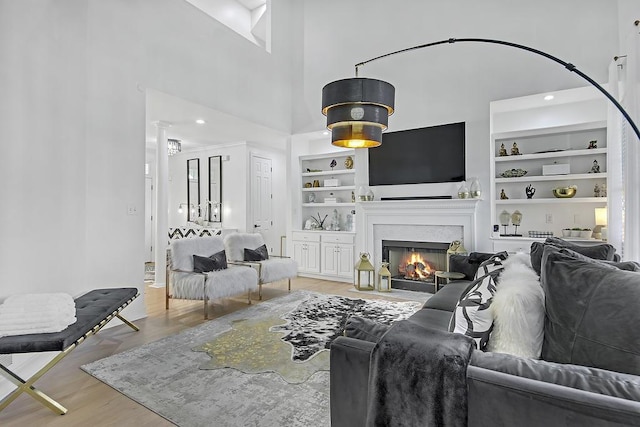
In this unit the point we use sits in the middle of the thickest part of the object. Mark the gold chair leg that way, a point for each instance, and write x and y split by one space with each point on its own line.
249 296
289 284
260 291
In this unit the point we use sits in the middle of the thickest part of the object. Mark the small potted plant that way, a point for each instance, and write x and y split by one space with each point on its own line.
575 231
585 233
566 232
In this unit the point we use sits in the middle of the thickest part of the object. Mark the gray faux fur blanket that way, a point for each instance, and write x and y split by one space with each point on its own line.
418 377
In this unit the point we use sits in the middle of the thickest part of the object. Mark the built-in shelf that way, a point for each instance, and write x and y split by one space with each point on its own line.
551 200
551 154
552 130
539 178
328 205
340 188
329 173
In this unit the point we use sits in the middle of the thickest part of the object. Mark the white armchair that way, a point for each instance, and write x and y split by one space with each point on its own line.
184 283
270 270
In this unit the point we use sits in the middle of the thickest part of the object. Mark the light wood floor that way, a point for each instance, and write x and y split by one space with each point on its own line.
92 403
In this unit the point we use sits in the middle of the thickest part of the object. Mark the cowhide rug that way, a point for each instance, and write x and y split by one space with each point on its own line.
295 342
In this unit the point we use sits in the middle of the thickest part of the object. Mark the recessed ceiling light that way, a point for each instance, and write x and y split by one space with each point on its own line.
326 132
548 97
200 122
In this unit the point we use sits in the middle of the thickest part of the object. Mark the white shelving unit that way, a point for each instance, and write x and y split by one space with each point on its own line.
548 133
328 253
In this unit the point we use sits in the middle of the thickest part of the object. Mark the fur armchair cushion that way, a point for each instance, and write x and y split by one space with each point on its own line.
591 313
518 310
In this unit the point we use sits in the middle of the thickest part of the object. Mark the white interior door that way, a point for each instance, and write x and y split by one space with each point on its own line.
261 195
148 220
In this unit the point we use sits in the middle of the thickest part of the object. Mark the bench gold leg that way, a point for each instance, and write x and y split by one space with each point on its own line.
289 285
27 386
249 296
126 322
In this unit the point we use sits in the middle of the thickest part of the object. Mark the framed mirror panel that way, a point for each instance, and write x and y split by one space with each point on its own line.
193 189
215 189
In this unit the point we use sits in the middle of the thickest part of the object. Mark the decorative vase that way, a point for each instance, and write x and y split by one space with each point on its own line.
475 191
463 191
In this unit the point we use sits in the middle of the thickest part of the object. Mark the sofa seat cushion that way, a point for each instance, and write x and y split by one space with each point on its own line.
594 380
591 313
431 318
447 297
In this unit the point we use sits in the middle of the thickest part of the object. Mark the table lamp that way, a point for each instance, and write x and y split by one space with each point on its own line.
600 230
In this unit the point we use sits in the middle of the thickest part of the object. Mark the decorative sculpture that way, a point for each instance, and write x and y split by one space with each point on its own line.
595 168
503 151
596 191
333 164
592 144
514 150
530 191
503 195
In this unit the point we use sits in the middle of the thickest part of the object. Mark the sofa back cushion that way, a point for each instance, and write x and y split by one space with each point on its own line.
602 252
183 250
591 313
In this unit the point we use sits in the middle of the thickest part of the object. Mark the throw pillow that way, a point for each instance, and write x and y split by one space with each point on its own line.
491 264
518 310
215 262
257 254
591 313
472 316
601 252
621 265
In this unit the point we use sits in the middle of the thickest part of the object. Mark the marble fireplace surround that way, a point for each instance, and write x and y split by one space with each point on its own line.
440 220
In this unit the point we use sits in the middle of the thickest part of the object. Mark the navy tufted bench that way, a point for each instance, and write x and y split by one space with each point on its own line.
93 311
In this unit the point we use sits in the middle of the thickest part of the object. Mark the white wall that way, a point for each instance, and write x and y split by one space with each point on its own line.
450 83
236 192
234 179
72 112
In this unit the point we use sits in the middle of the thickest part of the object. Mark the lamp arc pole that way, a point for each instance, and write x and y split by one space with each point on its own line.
569 66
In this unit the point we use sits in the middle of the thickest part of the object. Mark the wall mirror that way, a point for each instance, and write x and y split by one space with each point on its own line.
193 189
215 189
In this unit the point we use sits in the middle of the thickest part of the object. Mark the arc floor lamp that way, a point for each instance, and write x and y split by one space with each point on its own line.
357 109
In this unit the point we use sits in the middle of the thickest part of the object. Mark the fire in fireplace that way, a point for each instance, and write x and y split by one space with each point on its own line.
415 267
413 264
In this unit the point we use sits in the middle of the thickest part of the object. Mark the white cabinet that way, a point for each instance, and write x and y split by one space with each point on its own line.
548 135
324 255
337 255
306 252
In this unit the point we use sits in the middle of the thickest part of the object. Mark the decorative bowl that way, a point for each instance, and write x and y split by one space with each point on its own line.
565 192
513 173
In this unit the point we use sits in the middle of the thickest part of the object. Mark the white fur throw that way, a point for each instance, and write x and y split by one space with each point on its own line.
518 310
236 243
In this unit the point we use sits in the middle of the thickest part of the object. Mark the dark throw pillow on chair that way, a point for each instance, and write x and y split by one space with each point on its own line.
217 261
257 254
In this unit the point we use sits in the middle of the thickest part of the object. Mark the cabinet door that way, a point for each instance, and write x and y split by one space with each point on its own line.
329 259
300 254
345 261
313 257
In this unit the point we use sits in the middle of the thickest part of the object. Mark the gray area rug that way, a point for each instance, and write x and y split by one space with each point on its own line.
175 378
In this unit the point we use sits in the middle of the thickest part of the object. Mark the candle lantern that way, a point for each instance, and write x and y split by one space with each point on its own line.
364 280
384 278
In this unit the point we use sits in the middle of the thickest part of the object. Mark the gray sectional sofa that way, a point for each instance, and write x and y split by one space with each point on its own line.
588 375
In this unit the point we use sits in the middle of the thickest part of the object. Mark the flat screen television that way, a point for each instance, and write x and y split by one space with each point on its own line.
417 156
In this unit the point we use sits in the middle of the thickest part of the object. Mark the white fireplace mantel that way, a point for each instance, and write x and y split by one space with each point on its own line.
437 220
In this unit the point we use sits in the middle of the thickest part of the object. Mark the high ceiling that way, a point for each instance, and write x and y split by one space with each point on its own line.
219 128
